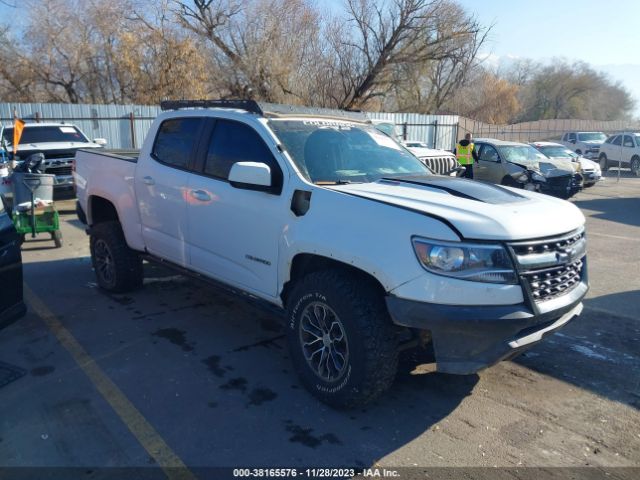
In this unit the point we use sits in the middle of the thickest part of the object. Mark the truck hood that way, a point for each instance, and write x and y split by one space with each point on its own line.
56 146
477 210
429 152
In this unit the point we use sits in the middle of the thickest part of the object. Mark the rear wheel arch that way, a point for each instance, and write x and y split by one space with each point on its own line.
101 210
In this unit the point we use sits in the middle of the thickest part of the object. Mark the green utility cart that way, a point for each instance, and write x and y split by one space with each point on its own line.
33 208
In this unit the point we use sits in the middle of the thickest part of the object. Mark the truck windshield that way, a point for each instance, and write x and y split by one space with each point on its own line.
520 154
38 134
336 151
592 137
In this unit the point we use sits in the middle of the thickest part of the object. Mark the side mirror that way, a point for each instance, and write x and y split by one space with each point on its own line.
100 141
250 176
573 141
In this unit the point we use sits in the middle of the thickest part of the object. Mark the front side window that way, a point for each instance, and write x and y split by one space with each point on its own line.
232 142
617 140
488 154
338 151
572 137
175 141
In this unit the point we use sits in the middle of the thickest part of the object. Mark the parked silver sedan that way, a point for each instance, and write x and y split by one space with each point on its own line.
505 163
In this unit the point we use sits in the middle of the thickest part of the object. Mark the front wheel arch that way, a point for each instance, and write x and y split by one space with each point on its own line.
303 264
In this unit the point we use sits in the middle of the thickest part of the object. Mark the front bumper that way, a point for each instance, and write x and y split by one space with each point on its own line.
591 178
469 338
562 187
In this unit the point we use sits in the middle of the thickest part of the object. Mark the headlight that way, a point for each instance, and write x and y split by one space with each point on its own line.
537 177
524 178
466 261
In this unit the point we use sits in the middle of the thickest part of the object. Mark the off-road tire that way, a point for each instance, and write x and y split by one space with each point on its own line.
126 273
604 162
372 359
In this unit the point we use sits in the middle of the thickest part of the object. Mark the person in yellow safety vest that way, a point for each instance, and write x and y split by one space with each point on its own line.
466 154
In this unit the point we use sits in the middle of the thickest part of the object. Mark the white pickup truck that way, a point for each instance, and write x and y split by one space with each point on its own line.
351 237
58 142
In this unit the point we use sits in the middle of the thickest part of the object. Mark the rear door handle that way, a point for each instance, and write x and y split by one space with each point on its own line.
148 180
200 195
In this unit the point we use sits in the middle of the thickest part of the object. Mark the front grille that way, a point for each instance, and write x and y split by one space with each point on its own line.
551 267
64 170
440 165
554 282
560 182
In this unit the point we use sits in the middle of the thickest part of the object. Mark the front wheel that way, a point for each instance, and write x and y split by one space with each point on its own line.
635 166
118 268
342 342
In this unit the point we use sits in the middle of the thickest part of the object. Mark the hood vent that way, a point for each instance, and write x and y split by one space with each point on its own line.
459 187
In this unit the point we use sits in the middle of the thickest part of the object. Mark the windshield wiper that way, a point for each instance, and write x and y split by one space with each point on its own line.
334 182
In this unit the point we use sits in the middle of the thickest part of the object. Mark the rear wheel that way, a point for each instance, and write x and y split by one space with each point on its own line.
118 268
635 166
604 163
342 342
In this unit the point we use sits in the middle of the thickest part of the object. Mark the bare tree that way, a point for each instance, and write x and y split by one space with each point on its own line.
389 39
262 49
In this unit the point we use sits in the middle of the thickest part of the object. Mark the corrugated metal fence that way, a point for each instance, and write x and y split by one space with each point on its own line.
438 131
124 126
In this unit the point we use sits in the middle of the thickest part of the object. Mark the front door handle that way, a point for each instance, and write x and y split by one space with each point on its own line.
200 195
148 180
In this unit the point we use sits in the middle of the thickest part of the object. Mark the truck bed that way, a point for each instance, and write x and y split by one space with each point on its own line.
118 154
110 176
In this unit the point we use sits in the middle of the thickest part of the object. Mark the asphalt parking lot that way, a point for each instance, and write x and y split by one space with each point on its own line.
178 374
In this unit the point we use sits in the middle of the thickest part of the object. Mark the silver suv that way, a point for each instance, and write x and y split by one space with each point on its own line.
586 144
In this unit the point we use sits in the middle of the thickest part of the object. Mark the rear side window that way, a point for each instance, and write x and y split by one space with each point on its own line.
628 141
175 141
233 142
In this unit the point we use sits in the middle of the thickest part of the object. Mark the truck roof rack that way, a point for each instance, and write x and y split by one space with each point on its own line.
265 109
